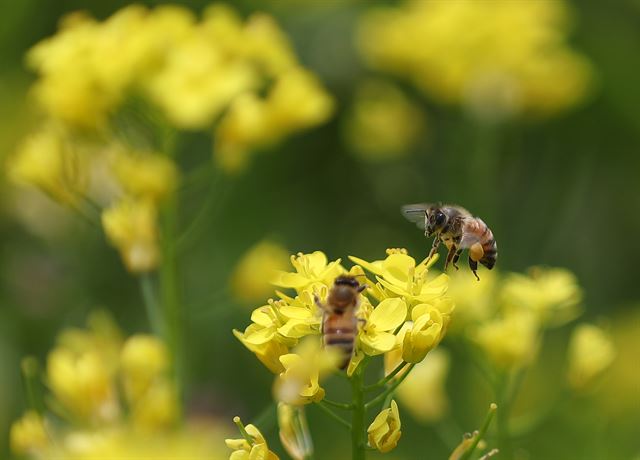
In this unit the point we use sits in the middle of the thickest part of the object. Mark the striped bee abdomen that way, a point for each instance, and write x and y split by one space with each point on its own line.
490 249
339 332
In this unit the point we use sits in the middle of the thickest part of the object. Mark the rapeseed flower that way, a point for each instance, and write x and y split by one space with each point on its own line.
252 276
28 436
590 353
424 333
497 59
311 270
131 226
145 175
375 337
384 432
383 123
294 431
252 446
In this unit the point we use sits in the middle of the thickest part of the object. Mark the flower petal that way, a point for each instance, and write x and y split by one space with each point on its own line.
389 314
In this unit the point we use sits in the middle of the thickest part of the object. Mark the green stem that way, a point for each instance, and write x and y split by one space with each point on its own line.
172 308
337 404
151 304
382 396
502 421
332 414
357 417
382 382
481 434
30 375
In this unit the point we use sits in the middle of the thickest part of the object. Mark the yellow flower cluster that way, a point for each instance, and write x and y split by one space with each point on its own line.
404 310
383 123
384 433
505 314
499 59
106 390
193 71
252 446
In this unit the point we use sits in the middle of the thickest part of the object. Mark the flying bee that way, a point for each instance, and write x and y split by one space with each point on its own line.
339 321
458 230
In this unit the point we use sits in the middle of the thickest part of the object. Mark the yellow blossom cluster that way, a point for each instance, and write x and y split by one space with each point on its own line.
114 396
252 446
498 59
193 71
505 314
383 123
405 309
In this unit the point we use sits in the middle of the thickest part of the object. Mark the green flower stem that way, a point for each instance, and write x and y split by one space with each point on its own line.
386 379
337 404
151 304
332 414
502 420
358 433
481 434
171 302
31 381
382 396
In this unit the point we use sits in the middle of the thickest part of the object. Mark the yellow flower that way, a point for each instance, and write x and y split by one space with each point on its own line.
299 383
383 123
46 160
591 352
464 52
297 101
374 337
384 433
131 227
294 432
198 80
252 276
143 360
28 435
145 175
552 294
423 390
511 341
399 276
265 43
257 449
157 407
267 351
426 331
82 384
311 269
475 302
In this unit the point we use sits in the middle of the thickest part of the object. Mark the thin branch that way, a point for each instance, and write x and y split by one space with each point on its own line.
386 379
389 390
332 414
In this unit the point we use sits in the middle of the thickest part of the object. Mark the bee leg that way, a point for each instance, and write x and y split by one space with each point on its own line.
474 267
456 257
434 247
450 255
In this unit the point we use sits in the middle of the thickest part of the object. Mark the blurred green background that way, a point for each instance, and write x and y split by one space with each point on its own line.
562 191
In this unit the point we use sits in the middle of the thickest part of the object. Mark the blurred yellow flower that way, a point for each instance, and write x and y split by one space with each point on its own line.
47 160
423 390
256 449
28 436
591 352
475 302
311 270
552 294
510 341
252 276
143 360
383 123
157 407
145 175
294 432
82 384
374 336
131 227
498 59
384 433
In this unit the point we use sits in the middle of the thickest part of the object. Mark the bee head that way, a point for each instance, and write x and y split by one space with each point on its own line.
436 220
345 291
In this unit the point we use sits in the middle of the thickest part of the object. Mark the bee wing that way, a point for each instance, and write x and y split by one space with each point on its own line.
415 213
